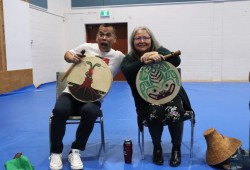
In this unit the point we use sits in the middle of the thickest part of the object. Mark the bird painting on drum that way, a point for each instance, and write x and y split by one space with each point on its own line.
94 81
158 82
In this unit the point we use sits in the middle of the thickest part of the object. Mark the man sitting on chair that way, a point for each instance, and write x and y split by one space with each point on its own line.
66 105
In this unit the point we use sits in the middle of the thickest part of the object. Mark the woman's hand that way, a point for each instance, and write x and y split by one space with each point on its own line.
150 57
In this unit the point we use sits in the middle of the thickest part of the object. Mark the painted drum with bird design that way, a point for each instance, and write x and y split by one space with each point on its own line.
158 83
90 80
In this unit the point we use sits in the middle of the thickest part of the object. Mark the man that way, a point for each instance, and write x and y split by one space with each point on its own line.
66 105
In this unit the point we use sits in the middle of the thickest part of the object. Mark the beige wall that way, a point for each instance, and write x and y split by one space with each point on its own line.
214 36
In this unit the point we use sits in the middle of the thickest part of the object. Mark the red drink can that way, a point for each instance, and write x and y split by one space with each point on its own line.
127 151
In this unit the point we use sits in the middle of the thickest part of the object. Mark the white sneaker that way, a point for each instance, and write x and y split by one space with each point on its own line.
55 161
75 159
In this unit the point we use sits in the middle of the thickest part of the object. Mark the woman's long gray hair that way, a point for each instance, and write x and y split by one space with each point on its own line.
154 43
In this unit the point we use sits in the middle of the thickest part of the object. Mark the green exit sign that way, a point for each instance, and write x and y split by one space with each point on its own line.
105 13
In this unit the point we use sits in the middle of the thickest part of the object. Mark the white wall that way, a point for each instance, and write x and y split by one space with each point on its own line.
47 34
214 37
17 34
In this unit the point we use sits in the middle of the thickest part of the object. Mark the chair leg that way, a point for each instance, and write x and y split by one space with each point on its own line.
49 135
192 138
139 136
141 145
102 134
142 135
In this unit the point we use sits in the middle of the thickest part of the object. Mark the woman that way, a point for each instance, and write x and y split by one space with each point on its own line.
145 49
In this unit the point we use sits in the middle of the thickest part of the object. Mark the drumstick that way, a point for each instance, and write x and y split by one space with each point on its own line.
173 54
71 67
176 53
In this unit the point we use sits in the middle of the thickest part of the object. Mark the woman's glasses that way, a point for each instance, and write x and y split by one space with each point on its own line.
142 39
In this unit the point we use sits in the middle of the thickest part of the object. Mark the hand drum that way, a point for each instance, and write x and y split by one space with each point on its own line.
90 80
158 82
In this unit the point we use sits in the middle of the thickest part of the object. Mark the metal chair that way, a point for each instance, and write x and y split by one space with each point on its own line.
60 86
141 139
141 135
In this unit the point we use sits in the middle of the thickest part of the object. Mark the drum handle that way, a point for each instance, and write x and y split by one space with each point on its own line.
71 67
173 54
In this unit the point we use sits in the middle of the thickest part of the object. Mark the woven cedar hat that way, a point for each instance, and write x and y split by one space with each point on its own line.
219 148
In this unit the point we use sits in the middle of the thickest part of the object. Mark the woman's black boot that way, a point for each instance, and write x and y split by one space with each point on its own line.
157 155
175 159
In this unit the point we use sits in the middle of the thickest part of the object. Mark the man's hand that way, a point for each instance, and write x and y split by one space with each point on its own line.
71 57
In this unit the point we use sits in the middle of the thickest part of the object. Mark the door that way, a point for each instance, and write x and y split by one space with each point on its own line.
121 42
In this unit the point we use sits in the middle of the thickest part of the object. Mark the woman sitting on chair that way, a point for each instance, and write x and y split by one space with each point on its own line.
143 42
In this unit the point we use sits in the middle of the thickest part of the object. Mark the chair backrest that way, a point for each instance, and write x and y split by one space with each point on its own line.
60 85
179 70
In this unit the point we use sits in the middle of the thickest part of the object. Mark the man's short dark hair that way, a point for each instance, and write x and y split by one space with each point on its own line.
109 25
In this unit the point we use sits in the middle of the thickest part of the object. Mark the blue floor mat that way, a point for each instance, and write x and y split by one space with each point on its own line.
25 115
